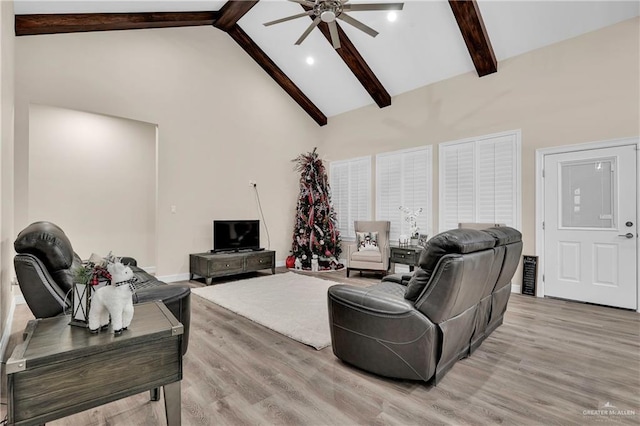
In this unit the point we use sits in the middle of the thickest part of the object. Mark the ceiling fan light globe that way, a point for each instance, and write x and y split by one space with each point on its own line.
328 16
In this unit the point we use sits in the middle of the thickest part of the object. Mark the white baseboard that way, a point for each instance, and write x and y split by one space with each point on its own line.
280 263
516 288
174 278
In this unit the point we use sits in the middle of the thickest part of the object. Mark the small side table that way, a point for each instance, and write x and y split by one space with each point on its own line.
405 255
59 369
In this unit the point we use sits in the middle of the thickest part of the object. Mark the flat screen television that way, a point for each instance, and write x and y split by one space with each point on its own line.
236 235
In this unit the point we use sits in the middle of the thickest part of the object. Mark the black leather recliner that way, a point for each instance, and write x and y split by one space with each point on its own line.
44 266
418 329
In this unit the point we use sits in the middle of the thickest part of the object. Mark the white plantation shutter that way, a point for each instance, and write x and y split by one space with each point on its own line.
339 183
456 185
403 178
388 192
350 182
480 181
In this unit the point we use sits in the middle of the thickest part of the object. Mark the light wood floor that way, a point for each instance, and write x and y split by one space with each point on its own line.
549 362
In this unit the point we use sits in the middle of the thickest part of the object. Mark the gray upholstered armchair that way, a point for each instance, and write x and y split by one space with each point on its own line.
371 249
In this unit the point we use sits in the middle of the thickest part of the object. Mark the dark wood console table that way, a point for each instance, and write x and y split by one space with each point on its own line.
59 369
211 265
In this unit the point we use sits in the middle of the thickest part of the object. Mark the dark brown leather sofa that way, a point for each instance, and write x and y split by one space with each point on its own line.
44 266
417 327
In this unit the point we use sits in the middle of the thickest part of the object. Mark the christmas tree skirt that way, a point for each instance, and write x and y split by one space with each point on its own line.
308 271
291 304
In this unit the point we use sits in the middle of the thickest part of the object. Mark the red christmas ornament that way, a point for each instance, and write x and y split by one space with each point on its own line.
290 262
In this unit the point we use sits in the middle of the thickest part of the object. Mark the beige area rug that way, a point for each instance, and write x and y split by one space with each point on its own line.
291 304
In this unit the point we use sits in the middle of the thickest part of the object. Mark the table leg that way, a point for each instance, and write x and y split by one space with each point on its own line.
155 394
173 403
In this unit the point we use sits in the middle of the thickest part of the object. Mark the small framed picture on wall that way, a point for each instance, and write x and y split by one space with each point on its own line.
422 239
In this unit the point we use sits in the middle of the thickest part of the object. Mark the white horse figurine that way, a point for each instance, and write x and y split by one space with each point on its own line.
113 300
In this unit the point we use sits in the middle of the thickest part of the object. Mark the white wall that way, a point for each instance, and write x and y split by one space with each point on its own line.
7 38
94 176
221 122
580 90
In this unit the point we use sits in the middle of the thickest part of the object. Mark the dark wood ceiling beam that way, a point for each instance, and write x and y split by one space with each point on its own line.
276 73
231 12
358 66
467 14
225 19
84 22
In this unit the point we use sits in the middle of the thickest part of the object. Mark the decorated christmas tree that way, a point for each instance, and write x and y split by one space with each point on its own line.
316 239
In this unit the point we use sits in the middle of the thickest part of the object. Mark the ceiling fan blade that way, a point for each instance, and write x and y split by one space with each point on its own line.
373 6
333 30
308 30
359 25
288 18
304 2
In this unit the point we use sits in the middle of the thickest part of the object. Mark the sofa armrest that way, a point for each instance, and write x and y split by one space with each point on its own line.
402 279
381 333
365 299
376 314
351 248
177 298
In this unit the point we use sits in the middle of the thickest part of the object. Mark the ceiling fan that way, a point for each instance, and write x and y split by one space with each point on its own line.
330 10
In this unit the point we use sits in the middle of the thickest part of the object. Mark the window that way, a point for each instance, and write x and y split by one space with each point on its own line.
480 181
350 182
403 179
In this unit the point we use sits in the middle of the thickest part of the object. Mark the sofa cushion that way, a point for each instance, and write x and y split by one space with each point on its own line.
48 243
367 241
417 284
504 235
367 256
454 241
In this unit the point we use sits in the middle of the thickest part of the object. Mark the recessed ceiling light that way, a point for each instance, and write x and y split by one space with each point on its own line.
392 16
310 60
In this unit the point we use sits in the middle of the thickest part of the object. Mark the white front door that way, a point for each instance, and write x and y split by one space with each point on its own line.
590 230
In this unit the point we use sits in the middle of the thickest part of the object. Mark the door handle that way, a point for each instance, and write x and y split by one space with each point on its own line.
627 235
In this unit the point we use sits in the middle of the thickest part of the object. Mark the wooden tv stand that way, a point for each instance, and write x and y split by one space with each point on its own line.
212 265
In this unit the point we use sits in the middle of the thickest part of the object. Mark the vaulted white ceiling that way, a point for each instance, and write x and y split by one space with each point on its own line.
422 46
